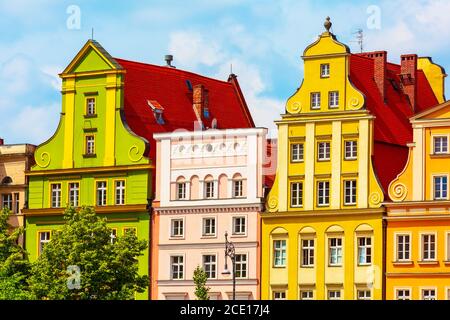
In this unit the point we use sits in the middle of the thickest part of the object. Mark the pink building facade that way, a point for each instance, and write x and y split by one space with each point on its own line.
207 183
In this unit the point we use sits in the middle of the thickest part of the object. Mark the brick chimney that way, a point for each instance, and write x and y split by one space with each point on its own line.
2 142
380 71
200 102
408 75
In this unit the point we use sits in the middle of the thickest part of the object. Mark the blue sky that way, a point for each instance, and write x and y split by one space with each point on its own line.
262 39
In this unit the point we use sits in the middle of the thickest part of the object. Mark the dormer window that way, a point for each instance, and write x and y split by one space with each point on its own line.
157 111
325 70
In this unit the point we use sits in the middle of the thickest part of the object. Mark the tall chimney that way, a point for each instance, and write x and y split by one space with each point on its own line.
200 101
380 70
408 75
2 142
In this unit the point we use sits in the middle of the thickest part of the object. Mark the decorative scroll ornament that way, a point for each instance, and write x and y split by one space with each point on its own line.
134 154
272 204
375 198
355 103
296 107
43 160
398 191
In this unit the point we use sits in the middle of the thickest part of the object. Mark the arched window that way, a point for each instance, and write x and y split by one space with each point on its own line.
209 187
181 188
7 180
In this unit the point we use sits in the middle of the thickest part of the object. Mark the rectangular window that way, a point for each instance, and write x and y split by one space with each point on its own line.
333 99
297 152
334 294
448 248
440 188
307 252
315 100
279 295
239 225
324 70
350 192
209 227
120 192
279 253
44 238
7 201
181 191
335 251
403 247
177 267
351 150
209 265
177 228
237 188
90 145
241 265
16 203
306 295
428 294
209 189
296 194
323 151
403 294
364 251
364 295
74 193
113 235
101 193
90 106
323 193
429 247
440 145
55 195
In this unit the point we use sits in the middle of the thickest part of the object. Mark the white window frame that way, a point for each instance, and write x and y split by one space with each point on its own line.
315 100
297 152
404 296
422 246
364 296
350 191
424 295
90 144
42 243
350 149
309 294
334 291
339 254
324 200
240 264
204 234
367 248
174 235
325 67
307 252
440 136
210 191
74 193
119 192
433 178
396 252
447 246
181 189
282 252
238 188
101 193
7 201
55 195
178 264
210 264
333 99
280 293
241 225
90 106
297 194
323 151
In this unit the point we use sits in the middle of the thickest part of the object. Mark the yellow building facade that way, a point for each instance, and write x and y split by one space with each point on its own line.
322 232
418 219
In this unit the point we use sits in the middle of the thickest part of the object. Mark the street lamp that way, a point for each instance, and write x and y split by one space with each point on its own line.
229 252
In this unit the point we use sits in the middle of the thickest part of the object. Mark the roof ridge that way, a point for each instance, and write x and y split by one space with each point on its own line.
164 68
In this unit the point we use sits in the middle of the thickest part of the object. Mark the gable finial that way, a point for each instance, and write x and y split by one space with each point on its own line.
327 24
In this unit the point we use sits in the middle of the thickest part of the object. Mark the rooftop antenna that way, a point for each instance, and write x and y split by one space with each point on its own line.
92 34
359 39
231 68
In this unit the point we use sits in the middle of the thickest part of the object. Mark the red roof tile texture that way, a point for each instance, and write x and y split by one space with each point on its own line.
392 130
172 89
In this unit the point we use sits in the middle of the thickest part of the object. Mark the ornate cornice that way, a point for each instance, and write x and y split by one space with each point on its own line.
210 209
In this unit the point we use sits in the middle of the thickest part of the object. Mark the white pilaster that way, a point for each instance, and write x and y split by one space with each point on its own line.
165 172
252 145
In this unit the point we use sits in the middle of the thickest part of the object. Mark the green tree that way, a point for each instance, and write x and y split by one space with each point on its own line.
14 265
200 278
82 262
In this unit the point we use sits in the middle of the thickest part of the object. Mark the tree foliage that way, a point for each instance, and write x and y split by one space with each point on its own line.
82 262
200 279
14 265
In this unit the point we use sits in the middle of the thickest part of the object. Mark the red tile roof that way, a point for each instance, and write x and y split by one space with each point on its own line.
169 87
392 130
